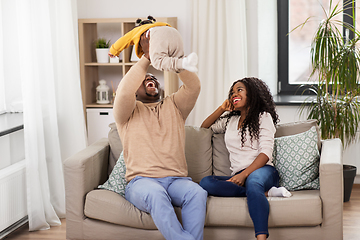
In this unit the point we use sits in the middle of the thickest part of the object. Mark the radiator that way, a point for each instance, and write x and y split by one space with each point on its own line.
13 206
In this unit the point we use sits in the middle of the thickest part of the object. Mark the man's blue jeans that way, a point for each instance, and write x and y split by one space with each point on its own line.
256 184
158 196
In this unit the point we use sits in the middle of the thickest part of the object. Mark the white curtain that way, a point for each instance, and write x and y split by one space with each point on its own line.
54 125
2 83
219 39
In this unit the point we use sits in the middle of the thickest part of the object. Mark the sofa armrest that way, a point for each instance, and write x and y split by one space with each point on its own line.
83 172
331 188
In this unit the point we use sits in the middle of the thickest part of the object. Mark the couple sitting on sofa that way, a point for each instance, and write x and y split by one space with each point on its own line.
157 174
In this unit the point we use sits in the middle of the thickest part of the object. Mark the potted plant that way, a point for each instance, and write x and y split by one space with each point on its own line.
102 49
335 62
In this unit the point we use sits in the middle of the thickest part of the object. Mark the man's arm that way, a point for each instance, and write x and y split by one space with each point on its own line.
125 99
185 98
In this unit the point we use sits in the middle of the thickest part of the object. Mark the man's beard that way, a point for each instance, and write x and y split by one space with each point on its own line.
150 95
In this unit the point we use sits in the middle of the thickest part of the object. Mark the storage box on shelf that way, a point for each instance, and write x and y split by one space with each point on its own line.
98 123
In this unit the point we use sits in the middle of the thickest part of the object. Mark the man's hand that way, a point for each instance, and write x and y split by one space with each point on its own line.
144 43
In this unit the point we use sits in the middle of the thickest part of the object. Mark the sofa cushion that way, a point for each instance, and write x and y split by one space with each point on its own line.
287 129
297 159
198 152
116 181
221 162
302 209
115 146
110 207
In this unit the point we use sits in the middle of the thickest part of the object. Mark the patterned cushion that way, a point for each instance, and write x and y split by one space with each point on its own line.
116 181
296 158
292 128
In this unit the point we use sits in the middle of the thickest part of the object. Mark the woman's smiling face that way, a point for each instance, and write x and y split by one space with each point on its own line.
238 97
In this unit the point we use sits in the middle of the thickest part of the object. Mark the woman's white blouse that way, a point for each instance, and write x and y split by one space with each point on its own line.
242 156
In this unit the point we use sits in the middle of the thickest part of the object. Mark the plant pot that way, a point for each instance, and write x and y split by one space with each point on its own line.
102 55
349 172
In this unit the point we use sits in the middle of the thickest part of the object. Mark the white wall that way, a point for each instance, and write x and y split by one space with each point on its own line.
289 114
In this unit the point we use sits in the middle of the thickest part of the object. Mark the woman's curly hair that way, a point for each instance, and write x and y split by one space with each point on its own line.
259 100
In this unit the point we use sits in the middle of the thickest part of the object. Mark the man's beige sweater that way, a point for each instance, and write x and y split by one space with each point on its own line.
153 134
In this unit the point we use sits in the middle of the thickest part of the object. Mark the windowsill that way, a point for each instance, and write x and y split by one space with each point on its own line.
11 122
294 100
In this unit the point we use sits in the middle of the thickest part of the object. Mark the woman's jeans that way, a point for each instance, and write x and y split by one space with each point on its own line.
256 184
158 196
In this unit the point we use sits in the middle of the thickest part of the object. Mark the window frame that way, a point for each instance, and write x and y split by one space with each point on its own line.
284 88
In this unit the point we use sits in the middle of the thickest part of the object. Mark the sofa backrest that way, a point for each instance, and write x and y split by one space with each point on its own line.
198 150
221 162
205 152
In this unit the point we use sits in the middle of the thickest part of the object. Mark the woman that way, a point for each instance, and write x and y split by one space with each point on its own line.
249 128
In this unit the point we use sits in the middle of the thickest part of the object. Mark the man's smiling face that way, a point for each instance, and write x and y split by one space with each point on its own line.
149 90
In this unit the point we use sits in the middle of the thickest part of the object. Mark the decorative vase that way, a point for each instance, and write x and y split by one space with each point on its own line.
102 93
349 172
102 55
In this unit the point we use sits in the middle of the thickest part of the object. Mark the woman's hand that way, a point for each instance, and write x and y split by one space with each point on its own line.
238 179
227 106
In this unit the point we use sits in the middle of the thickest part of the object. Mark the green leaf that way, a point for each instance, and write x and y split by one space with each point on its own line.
102 43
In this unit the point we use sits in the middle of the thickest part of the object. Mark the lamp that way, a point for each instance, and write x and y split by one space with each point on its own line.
102 93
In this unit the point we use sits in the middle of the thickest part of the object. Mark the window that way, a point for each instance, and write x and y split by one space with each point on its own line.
294 64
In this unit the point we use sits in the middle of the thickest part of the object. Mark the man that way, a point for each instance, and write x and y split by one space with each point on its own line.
152 131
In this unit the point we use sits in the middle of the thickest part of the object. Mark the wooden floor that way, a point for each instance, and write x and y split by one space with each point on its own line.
351 223
351 215
54 233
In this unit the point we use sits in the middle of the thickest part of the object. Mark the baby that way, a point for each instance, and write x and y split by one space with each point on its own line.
161 44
